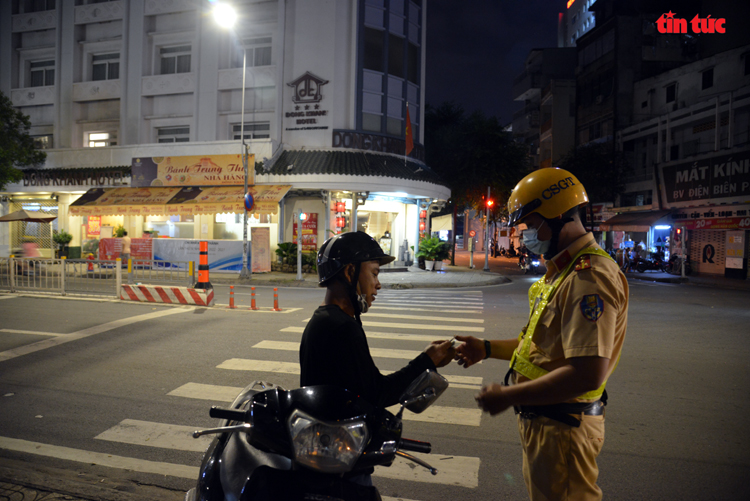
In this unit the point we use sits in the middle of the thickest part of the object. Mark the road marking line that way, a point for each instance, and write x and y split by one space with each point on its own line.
452 328
7 297
427 304
91 331
100 459
243 364
453 470
434 414
462 471
396 336
424 309
262 309
422 317
33 333
466 300
163 436
391 292
375 352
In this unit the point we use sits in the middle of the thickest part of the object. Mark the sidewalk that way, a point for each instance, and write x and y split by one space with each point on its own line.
397 278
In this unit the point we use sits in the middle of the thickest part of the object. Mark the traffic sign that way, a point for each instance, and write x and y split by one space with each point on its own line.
472 233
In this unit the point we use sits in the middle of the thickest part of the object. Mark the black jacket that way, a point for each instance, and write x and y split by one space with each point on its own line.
334 351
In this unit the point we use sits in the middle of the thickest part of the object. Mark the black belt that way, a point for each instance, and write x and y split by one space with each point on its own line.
561 412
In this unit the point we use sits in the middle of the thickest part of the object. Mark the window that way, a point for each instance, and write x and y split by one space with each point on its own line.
371 122
412 67
707 79
175 59
674 152
105 67
253 130
38 5
43 142
258 52
101 139
173 135
396 56
671 92
42 73
373 50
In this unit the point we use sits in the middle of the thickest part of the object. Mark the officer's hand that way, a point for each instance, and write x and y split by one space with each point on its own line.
493 399
440 352
470 351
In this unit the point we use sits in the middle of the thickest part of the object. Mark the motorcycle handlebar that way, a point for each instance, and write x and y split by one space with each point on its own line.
415 445
228 414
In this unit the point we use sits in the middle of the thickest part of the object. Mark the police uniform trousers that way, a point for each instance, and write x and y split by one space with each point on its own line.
559 461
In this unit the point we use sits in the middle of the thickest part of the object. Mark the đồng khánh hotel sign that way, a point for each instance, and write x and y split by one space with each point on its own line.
718 179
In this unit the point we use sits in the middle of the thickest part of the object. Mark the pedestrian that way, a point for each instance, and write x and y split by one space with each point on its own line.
334 349
125 252
561 361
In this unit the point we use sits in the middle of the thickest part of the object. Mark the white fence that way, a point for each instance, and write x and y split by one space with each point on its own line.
88 277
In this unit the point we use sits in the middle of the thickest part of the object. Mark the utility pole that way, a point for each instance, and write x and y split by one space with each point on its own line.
488 203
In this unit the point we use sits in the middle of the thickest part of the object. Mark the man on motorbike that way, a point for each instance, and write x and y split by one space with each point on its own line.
334 347
570 346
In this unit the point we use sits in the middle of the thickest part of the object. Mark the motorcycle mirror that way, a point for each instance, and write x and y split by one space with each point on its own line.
423 391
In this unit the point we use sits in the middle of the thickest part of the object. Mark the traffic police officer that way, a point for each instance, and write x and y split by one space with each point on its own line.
560 363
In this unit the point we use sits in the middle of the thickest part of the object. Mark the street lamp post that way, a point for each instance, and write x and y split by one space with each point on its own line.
226 16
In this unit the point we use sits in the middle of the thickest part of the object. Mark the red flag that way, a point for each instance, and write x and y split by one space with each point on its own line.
409 136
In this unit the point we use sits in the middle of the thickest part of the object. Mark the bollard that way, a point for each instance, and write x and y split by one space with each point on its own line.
276 300
252 299
203 282
231 297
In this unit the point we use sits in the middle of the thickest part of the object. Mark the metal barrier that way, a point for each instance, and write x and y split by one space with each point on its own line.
88 277
157 271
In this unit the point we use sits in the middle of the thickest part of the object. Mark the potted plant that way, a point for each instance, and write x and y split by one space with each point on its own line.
429 249
62 239
443 253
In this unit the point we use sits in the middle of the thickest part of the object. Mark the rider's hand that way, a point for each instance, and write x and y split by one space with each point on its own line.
470 351
440 352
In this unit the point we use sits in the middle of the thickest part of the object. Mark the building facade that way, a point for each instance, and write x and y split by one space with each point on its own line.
690 158
327 89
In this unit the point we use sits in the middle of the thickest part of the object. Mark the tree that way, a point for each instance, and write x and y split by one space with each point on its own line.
471 153
16 146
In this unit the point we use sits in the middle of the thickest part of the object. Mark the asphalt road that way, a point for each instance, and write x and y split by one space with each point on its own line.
89 383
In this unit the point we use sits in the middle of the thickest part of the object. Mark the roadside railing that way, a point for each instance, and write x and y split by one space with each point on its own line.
157 271
89 277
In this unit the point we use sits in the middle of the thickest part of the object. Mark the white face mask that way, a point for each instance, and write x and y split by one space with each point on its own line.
532 242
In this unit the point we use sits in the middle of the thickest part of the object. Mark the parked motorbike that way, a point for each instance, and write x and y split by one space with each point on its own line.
310 443
654 263
674 265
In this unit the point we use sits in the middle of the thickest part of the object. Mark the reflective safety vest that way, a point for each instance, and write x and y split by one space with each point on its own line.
539 297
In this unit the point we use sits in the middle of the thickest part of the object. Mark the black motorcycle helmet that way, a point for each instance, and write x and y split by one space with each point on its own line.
352 247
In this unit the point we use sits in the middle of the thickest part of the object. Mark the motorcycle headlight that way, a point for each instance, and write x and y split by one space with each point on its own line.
535 263
327 447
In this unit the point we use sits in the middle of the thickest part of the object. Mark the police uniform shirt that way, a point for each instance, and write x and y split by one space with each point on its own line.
588 313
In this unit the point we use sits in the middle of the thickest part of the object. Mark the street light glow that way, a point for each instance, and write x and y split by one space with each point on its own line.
225 15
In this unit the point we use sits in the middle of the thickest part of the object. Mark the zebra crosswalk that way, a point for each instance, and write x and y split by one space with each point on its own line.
402 318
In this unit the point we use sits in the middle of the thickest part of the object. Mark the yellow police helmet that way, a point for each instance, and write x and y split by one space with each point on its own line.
550 192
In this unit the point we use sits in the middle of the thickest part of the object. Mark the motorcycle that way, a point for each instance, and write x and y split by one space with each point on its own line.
530 263
674 265
654 263
315 442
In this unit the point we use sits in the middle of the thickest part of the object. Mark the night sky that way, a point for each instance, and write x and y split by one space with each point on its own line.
476 48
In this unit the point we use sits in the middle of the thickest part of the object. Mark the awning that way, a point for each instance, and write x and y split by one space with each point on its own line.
441 223
189 200
633 221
